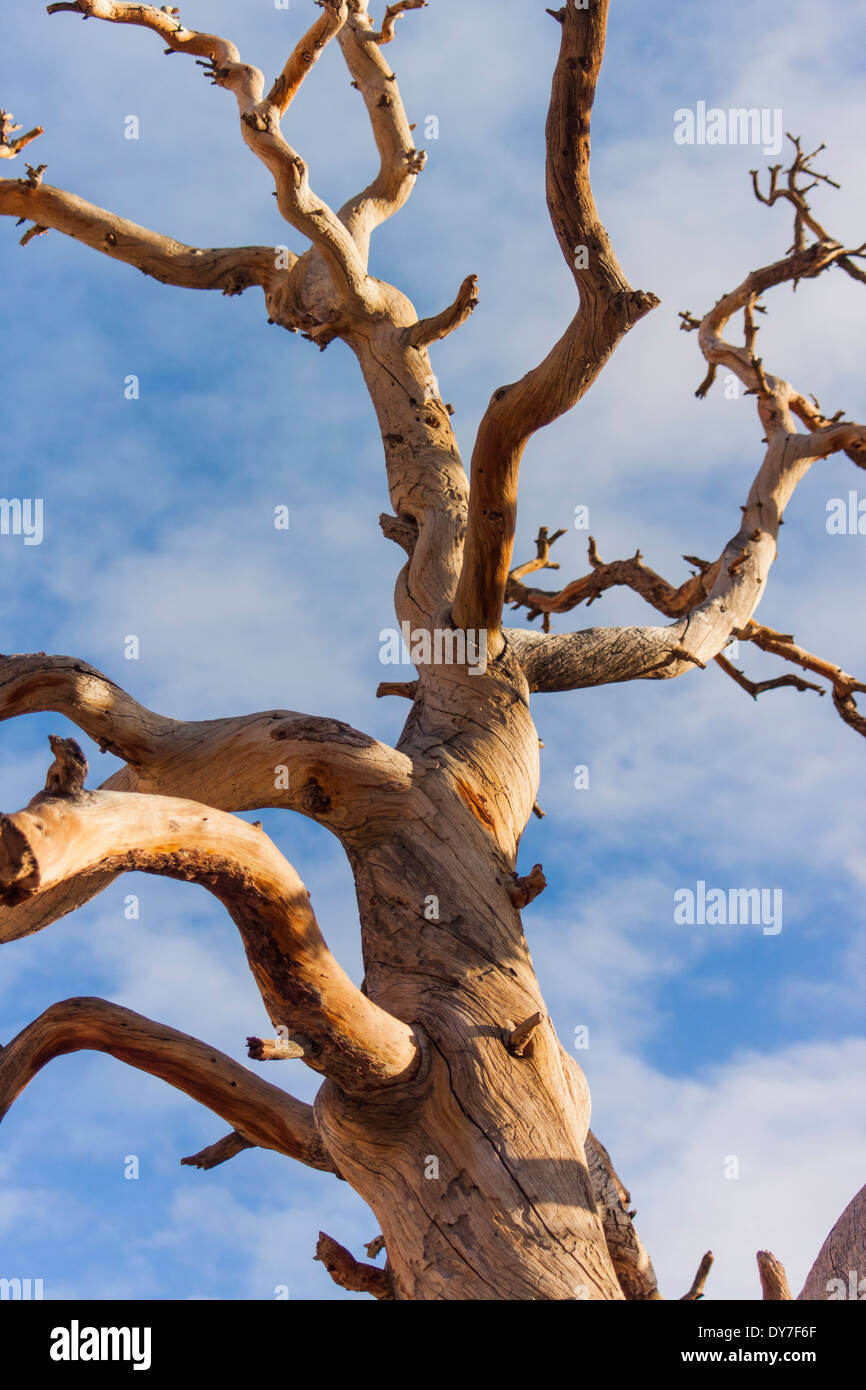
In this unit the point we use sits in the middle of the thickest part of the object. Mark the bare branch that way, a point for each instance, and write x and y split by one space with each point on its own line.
67 773
402 530
525 890
736 582
350 1273
220 1152
845 437
322 768
229 269
599 656
57 837
519 1040
276 1049
32 915
844 687
399 161
632 573
266 1115
407 690
608 308
114 720
803 261
260 117
756 688
392 14
632 1264
697 1289
427 331
10 148
795 192
774 1280
550 663
731 588
542 561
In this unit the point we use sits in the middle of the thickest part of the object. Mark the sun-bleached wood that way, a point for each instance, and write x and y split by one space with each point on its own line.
449 1103
67 833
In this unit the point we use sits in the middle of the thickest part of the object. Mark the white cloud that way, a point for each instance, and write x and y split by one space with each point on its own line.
794 1120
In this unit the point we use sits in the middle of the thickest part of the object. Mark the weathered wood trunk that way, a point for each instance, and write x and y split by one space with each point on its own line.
448 1102
476 1169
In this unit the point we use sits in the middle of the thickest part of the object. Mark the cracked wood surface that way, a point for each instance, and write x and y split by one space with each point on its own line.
449 1103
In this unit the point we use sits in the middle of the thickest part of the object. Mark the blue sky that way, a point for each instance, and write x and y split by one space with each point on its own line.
704 1042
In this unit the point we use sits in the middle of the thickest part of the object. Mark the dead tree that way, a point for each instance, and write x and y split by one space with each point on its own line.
447 1049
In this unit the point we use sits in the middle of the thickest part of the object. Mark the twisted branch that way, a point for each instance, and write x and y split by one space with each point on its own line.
400 162
260 116
62 836
320 767
718 600
608 309
266 1115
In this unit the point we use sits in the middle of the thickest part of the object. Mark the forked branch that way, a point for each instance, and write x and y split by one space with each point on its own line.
699 1282
260 117
9 148
774 1280
719 599
392 14
400 162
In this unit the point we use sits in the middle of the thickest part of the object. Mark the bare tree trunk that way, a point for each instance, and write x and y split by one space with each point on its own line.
477 1170
448 1102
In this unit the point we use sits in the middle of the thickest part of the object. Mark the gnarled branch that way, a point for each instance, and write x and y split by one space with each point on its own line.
229 269
608 308
350 1273
220 1152
756 688
774 1280
631 573
399 161
698 1283
306 53
721 598
10 148
633 1266
266 1115
321 767
260 117
58 837
392 14
431 330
